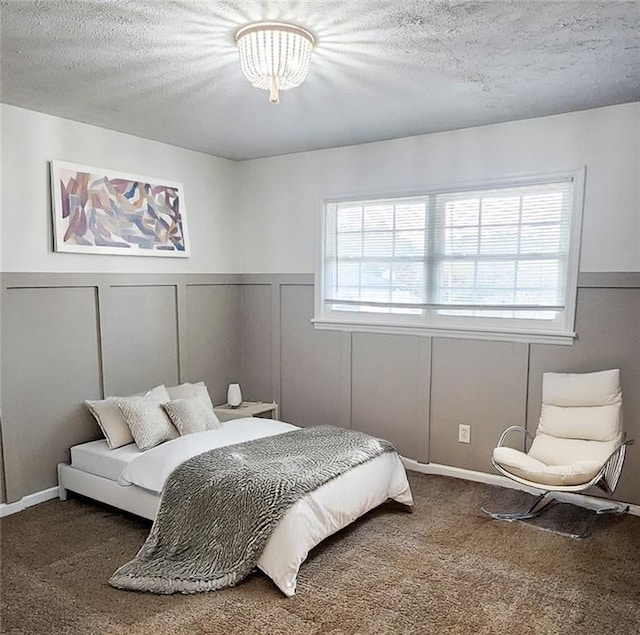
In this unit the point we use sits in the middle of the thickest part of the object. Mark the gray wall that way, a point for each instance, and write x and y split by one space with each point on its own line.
3 496
66 338
71 337
415 391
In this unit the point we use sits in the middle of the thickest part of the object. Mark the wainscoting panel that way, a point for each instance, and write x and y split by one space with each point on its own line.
390 390
482 384
51 364
256 357
608 327
71 337
213 337
315 371
140 337
3 492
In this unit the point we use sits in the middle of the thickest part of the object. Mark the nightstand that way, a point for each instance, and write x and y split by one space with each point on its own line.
247 409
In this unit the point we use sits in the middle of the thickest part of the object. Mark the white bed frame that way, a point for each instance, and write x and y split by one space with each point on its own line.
130 498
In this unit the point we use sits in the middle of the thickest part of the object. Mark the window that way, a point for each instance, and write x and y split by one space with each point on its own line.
496 261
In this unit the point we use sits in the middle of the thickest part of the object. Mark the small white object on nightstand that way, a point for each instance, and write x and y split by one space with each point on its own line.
234 395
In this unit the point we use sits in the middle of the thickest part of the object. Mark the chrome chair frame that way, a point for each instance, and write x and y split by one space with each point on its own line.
606 480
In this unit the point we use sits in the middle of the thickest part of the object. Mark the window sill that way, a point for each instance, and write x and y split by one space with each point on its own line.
504 335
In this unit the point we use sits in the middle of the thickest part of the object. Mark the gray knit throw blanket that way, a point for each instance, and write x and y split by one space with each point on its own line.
219 508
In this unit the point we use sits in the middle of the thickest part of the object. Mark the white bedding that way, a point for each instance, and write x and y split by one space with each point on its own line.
320 514
97 458
152 468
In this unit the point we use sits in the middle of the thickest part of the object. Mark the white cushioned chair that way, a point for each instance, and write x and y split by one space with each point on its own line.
579 442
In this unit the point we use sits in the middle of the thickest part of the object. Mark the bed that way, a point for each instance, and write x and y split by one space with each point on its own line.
132 480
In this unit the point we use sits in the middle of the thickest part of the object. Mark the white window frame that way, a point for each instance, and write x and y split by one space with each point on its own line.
509 329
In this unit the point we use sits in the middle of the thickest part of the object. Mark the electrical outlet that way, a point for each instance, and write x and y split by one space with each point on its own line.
464 433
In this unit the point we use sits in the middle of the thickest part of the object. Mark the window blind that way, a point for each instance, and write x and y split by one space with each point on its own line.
492 252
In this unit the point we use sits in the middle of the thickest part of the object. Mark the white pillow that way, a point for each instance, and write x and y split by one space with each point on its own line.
109 417
593 423
582 389
192 415
189 391
531 469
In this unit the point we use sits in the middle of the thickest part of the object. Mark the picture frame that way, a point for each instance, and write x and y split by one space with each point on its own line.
101 211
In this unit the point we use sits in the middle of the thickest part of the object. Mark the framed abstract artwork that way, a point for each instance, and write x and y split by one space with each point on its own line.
98 211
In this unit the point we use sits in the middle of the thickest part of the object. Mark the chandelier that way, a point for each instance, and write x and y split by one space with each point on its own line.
274 56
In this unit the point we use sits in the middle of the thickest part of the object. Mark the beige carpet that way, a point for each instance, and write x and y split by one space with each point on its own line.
443 569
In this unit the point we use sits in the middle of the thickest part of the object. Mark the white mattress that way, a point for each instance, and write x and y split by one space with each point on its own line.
96 458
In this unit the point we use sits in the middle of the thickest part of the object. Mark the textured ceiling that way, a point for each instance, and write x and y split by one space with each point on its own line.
168 69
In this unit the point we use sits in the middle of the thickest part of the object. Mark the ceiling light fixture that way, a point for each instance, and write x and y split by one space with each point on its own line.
275 56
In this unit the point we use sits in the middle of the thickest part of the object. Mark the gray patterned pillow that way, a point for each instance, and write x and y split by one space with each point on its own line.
192 415
148 422
110 420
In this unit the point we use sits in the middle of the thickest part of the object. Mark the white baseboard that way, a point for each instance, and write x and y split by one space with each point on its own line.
6 509
590 502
